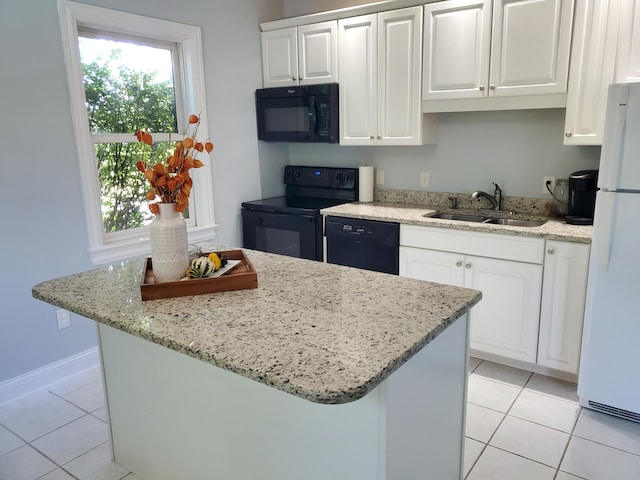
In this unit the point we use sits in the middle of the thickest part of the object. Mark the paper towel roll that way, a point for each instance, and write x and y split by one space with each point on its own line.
365 175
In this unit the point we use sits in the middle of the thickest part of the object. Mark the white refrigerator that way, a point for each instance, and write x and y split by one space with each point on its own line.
609 378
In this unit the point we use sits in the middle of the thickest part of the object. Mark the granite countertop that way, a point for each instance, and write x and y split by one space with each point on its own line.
553 229
326 333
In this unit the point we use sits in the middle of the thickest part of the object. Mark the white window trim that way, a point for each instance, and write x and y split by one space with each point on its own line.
188 38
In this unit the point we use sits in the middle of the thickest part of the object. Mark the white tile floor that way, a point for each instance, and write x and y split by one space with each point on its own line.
519 426
527 426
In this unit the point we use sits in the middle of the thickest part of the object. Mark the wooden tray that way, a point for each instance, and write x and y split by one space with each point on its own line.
239 277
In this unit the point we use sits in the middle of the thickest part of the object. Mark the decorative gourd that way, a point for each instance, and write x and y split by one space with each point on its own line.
201 267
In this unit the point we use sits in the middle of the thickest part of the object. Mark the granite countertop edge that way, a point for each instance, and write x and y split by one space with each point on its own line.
410 214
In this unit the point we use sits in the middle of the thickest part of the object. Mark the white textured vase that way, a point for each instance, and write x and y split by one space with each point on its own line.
169 249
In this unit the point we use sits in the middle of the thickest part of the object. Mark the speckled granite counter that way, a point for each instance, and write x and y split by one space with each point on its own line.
411 214
325 333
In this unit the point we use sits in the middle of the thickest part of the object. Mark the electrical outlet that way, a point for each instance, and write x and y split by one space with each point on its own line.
64 319
424 179
551 182
379 177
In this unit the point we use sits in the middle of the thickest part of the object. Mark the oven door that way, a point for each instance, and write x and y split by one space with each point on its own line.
286 234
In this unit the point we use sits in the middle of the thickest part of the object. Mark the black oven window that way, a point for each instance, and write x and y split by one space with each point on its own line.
275 240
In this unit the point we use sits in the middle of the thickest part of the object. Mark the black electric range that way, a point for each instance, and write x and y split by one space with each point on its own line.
291 224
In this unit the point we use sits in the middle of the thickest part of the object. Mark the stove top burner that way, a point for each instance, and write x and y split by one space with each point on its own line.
310 189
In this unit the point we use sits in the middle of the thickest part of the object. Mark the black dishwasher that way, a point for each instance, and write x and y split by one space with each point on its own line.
367 244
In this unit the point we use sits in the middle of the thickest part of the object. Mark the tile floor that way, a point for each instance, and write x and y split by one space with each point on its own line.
519 426
527 426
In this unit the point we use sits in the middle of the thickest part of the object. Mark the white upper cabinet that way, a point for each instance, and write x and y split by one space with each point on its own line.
479 49
457 36
300 55
628 58
530 47
380 79
358 64
593 56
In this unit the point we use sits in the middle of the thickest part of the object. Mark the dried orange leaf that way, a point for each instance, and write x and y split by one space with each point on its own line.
154 208
197 164
187 142
208 147
199 147
193 119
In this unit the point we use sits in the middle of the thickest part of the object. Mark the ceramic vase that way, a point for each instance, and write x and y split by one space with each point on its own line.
169 249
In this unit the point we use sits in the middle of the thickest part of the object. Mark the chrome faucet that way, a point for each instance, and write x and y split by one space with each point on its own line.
496 199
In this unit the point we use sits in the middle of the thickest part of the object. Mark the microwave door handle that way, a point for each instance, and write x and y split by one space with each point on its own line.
313 115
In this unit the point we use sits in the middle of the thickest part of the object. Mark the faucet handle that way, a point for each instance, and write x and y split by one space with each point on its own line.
497 189
454 202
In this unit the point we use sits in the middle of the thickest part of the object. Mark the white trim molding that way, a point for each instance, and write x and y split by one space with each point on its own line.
188 38
30 382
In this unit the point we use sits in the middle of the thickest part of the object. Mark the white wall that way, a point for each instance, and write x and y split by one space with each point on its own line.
516 149
43 234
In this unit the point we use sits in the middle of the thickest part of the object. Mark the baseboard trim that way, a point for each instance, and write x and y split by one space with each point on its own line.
41 378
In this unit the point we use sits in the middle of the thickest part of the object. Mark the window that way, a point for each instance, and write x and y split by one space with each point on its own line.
127 72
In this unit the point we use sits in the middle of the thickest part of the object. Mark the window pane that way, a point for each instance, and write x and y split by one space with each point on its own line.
128 86
122 187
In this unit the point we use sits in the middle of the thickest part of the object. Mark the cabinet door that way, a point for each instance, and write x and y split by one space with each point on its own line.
530 46
318 53
457 36
592 67
505 322
563 299
400 74
432 266
280 58
628 59
357 71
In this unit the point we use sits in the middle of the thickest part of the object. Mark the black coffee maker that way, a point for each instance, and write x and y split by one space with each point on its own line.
583 186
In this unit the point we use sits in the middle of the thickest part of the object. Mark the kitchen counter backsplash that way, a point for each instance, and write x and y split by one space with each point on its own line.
520 205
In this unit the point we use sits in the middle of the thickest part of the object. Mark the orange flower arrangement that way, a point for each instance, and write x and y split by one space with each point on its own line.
170 180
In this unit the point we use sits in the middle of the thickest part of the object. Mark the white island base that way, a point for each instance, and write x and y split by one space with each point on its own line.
175 417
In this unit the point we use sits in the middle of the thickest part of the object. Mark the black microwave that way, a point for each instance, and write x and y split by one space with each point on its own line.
306 113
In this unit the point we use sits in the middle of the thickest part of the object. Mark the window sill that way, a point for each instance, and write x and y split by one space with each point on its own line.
117 252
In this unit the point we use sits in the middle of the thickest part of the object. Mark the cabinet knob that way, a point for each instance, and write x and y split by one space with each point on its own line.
568 134
458 263
293 78
551 251
379 137
481 88
371 137
492 87
468 265
299 78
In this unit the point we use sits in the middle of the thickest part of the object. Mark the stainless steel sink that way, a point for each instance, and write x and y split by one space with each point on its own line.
459 216
515 222
469 217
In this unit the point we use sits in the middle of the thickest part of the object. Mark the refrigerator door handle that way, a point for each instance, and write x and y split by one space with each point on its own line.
616 116
604 214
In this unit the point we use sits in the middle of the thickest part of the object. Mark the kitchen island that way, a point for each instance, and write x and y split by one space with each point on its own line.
321 372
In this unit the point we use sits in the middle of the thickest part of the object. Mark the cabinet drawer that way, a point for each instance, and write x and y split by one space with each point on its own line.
494 245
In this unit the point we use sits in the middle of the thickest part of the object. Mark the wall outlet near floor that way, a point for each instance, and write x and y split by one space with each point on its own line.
64 319
551 183
379 177
424 179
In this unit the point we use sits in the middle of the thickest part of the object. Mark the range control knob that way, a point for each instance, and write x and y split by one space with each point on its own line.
338 176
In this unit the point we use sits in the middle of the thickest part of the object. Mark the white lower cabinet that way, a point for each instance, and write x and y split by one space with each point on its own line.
505 322
533 293
566 266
